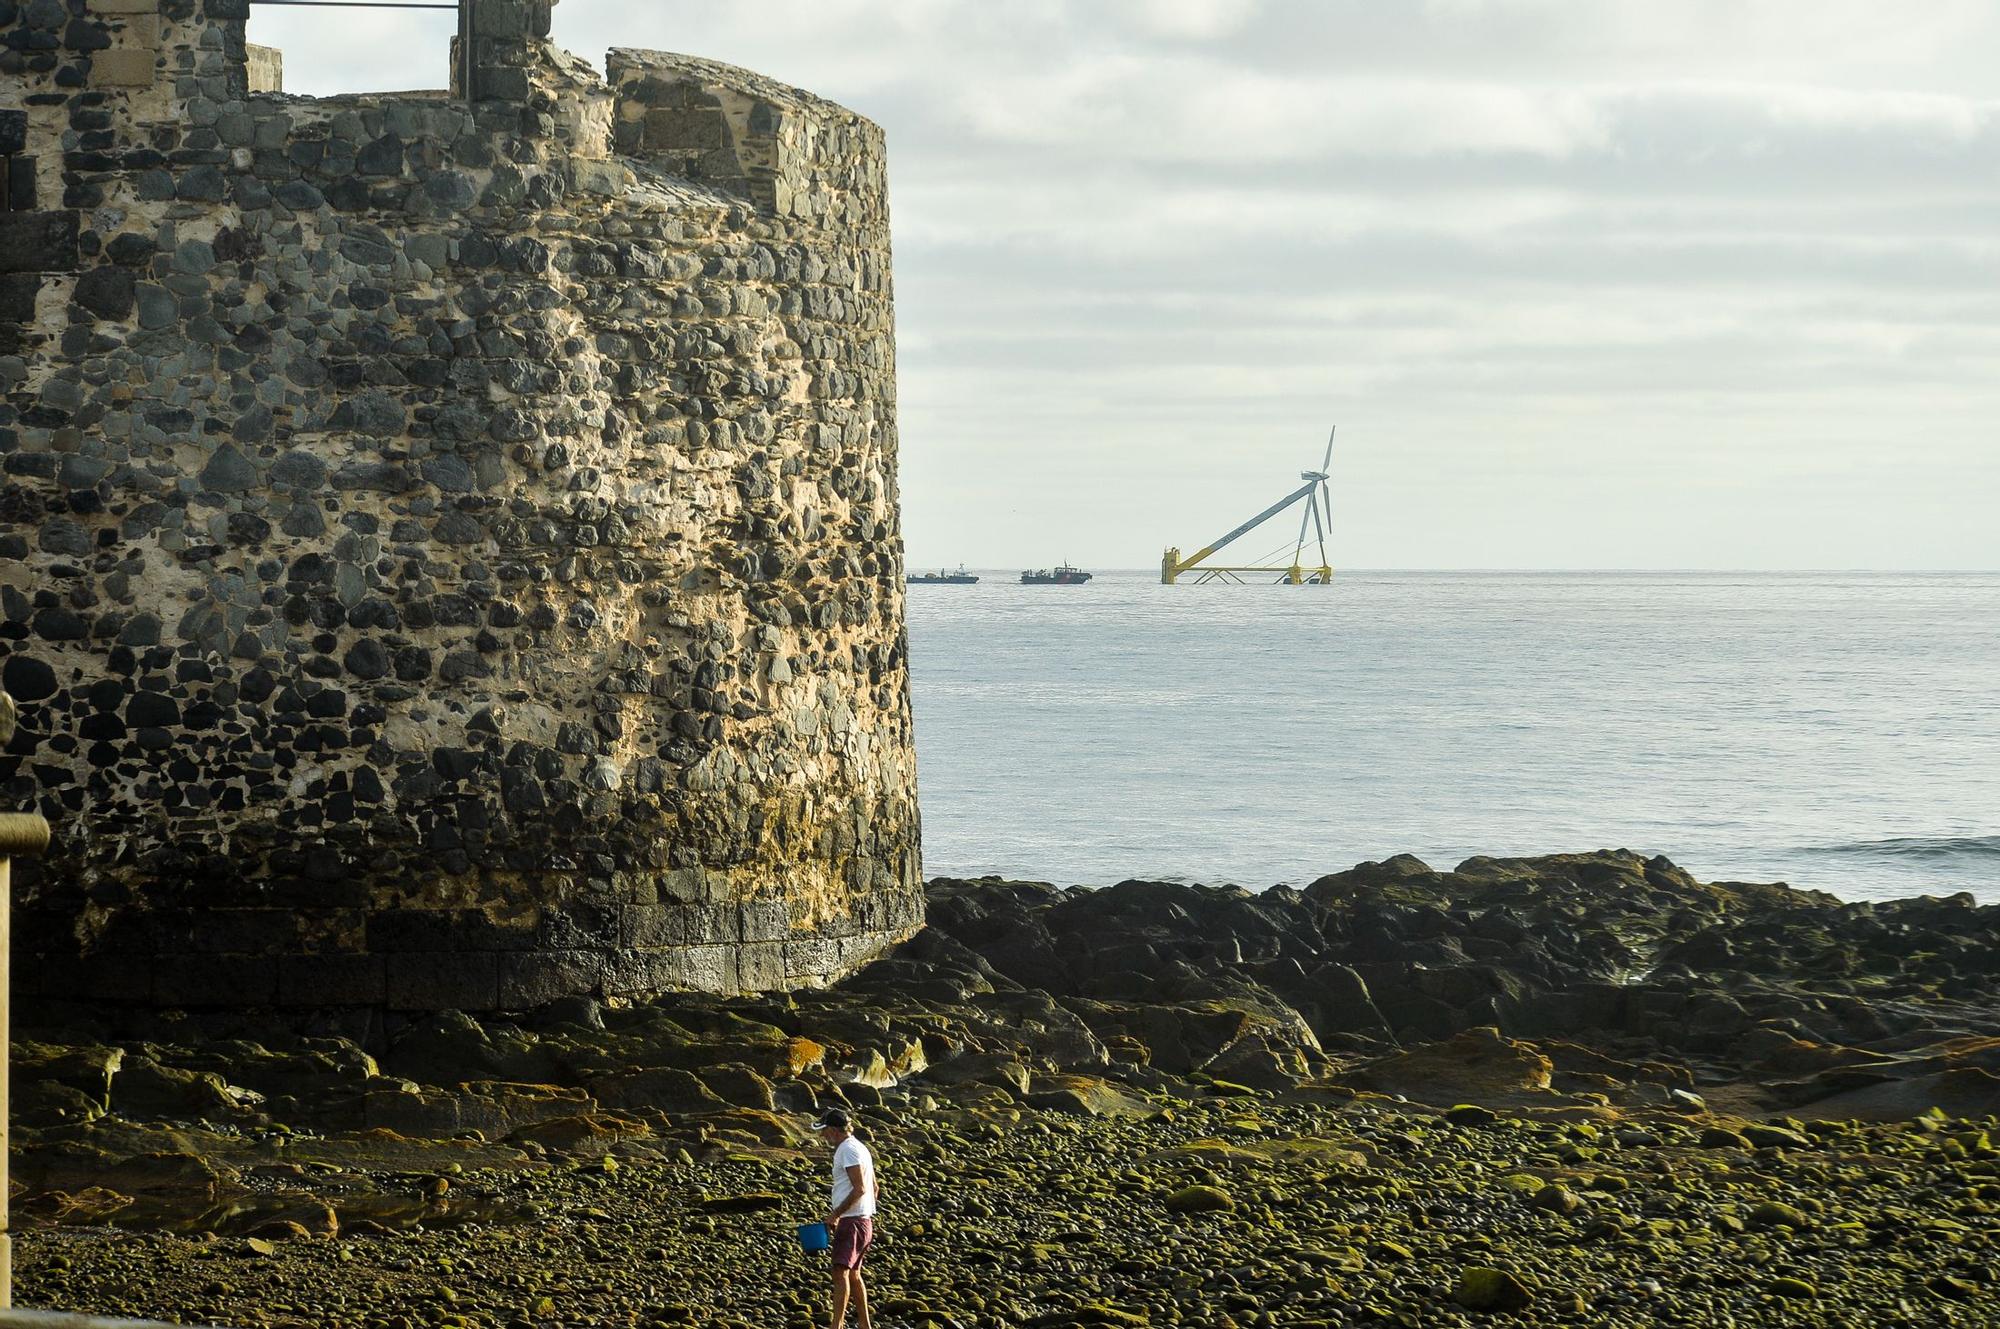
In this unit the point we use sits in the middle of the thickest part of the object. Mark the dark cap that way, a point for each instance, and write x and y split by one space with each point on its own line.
834 1117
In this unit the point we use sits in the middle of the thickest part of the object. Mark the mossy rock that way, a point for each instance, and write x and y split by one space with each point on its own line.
1085 1096
86 1071
1556 1199
738 1085
1091 1313
1471 1114
1199 1200
1794 1289
1474 1063
1481 1288
145 1090
1770 1213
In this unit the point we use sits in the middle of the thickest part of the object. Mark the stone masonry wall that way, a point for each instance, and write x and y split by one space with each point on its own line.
449 550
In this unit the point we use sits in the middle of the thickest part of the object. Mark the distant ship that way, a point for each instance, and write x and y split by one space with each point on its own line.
943 578
1061 576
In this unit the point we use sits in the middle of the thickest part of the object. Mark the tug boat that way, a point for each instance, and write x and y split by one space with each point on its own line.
1063 575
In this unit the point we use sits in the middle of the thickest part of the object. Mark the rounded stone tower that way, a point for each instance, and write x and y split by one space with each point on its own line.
449 548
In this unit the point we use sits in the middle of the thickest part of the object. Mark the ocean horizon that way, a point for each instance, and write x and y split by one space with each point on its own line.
1835 730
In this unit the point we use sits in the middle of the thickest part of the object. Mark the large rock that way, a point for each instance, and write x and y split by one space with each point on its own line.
54 1085
452 1047
493 1109
1084 1095
1969 1091
143 1088
662 1089
991 1068
1477 1065
1481 1288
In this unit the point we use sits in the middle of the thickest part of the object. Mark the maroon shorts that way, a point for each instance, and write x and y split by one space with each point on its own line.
851 1239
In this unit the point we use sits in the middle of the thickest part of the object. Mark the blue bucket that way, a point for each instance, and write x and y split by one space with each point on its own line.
814 1237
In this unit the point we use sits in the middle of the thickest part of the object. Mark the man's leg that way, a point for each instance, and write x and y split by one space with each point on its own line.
861 1302
840 1277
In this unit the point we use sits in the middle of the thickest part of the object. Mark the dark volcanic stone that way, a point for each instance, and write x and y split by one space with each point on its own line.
448 473
59 624
367 659
18 291
106 292
152 709
253 426
384 156
27 679
303 518
62 536
157 307
327 704
299 469
373 412
203 184
141 630
128 249
228 471
79 472
38 241
246 528
300 196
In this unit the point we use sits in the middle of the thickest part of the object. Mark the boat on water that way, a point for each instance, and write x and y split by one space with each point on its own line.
1063 575
943 578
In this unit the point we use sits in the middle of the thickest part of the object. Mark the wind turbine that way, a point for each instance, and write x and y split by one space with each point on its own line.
1313 493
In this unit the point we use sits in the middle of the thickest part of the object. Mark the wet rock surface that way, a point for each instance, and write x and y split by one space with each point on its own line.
1526 1091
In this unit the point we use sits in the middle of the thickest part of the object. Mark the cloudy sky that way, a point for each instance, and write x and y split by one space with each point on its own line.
1584 283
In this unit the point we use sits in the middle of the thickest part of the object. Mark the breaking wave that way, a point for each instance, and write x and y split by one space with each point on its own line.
1919 849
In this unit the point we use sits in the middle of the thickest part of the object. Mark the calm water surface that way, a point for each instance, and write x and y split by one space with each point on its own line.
1839 731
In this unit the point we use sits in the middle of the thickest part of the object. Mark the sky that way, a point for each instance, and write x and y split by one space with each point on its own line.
1583 283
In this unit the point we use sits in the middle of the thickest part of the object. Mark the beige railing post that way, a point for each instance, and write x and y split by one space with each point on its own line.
20 833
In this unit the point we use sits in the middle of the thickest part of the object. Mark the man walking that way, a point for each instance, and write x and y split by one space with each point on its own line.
851 1216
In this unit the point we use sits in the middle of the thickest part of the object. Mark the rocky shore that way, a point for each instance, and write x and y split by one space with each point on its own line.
1580 1089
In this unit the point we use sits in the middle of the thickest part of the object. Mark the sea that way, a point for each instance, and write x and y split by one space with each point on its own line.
1836 731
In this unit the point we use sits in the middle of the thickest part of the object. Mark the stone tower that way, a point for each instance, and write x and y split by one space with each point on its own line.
449 546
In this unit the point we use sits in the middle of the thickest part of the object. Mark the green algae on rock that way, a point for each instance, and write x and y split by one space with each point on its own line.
1483 1289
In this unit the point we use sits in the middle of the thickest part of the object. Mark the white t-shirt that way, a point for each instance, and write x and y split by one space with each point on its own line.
852 1153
